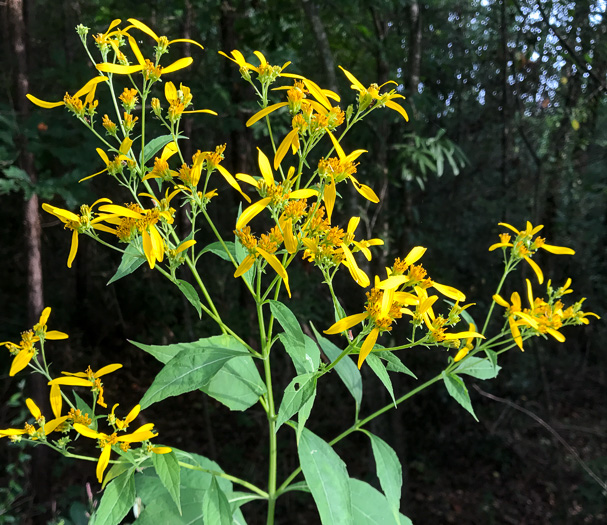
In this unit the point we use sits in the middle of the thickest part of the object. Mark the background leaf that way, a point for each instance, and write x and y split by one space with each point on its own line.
327 478
458 391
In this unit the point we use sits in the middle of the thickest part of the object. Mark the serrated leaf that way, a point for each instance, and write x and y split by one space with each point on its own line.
117 500
327 478
218 249
297 393
116 470
169 472
156 144
394 364
378 367
215 507
346 369
458 391
389 471
190 294
237 385
132 259
189 370
478 367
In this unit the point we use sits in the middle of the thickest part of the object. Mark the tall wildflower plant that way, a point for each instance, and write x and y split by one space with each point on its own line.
294 198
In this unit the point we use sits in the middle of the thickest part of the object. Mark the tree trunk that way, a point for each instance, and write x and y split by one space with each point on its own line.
35 300
318 28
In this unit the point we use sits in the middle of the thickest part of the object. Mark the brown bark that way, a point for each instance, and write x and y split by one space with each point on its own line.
415 47
35 299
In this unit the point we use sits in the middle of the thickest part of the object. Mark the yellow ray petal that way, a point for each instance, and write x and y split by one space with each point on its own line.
266 111
398 108
253 210
187 40
119 69
367 346
177 65
284 147
353 79
232 181
536 269
278 267
340 152
142 27
56 400
43 103
346 323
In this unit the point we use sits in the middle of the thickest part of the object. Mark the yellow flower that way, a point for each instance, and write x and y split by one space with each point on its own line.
145 222
468 345
89 379
366 96
514 311
525 246
106 441
82 223
144 28
45 427
25 350
88 89
274 195
266 72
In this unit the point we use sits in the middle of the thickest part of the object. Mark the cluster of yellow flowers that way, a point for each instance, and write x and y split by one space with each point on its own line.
83 423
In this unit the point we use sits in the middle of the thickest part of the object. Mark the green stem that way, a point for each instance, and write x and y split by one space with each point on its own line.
234 479
359 424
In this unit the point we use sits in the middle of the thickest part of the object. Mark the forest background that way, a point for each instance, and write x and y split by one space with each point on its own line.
508 123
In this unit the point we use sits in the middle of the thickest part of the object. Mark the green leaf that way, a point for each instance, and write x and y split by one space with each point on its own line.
370 507
215 506
189 370
379 368
132 258
169 472
218 249
297 393
304 414
237 385
346 369
389 471
478 367
116 470
458 391
190 294
394 364
117 500
288 321
158 507
327 477
155 145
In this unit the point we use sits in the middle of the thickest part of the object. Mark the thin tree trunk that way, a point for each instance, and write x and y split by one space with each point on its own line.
324 48
35 300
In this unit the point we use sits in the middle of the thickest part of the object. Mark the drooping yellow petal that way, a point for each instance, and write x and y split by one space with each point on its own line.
125 146
501 301
21 360
265 168
177 65
108 369
136 51
51 425
449 291
317 92
346 323
559 250
278 267
56 400
516 333
266 111
148 248
340 151
86 431
142 27
355 83
70 381
367 346
73 249
414 255
104 459
253 210
398 108
463 335
33 408
284 147
557 335
365 191
43 103
232 181
500 245
245 265
55 334
187 40
185 245
329 197
509 226
90 85
288 237
357 274
119 69
536 269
